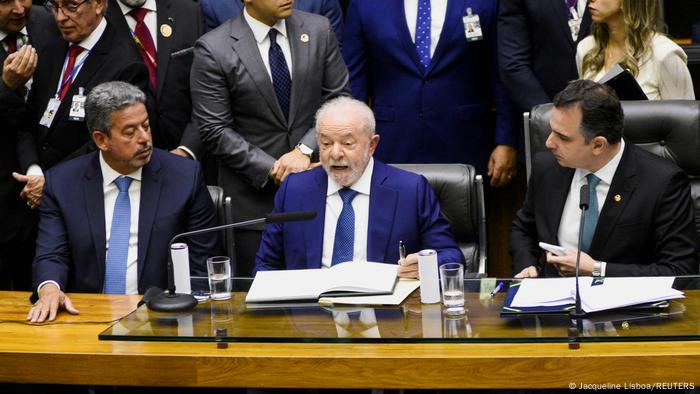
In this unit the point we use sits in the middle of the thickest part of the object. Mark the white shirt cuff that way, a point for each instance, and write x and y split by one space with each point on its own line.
189 152
34 170
46 282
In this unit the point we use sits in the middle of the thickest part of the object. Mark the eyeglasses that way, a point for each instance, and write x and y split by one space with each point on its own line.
70 7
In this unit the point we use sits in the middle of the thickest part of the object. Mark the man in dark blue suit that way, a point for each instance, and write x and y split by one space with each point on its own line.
537 49
432 89
217 12
107 217
364 206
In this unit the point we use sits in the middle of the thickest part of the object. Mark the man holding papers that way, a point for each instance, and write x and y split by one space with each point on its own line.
640 217
364 207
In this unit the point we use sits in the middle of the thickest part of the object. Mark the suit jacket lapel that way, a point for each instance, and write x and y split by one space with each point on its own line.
453 19
247 49
313 230
623 185
558 191
561 14
300 62
398 14
150 195
382 211
95 208
164 17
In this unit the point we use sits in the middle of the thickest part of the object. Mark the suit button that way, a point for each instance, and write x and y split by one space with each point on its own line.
44 147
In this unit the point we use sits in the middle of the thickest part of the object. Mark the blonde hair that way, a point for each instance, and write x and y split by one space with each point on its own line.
641 18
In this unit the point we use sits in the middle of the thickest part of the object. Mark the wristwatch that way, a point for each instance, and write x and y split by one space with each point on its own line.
305 150
597 266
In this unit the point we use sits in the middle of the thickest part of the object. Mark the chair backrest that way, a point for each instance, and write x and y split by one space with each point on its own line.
223 211
461 195
693 52
670 129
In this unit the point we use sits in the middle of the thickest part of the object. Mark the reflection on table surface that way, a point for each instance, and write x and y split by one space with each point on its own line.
234 321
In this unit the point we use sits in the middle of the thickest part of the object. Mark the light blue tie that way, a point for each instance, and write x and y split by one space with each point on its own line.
423 32
115 267
591 213
344 243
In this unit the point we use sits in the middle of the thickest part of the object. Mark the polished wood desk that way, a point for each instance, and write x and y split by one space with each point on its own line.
70 353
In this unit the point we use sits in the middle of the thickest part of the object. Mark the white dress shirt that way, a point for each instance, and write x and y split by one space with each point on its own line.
110 196
151 19
261 31
438 10
571 215
360 204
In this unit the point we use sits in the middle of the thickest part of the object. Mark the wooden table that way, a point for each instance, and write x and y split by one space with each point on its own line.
72 354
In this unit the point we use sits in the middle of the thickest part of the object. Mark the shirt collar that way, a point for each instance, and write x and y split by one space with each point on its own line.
362 186
607 172
109 174
149 5
261 30
22 32
89 42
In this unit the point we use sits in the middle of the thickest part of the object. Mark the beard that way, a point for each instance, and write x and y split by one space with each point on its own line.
133 3
356 170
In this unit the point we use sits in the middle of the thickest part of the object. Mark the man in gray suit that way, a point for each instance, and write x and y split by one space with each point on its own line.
257 81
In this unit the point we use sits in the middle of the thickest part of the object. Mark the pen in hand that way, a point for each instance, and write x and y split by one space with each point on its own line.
402 252
498 288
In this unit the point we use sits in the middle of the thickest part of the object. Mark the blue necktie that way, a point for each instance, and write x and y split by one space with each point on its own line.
115 267
591 213
423 32
344 243
281 80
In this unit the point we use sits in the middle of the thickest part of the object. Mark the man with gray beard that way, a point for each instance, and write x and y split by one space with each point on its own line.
364 206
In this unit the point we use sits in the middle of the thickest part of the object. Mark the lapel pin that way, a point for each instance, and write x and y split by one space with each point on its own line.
304 37
618 198
166 30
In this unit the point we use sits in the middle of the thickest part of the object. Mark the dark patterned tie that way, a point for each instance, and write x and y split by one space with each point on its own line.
281 80
423 32
145 43
118 252
10 41
344 243
591 213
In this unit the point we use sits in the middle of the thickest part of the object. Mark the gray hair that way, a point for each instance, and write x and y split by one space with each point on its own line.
107 98
345 104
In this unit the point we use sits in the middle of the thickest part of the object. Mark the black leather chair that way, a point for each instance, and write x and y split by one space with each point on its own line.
223 210
461 195
670 129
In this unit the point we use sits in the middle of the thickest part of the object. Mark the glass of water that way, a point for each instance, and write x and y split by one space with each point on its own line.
452 282
219 270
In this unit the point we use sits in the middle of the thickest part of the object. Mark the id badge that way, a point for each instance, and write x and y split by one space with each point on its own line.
574 27
77 107
472 26
50 112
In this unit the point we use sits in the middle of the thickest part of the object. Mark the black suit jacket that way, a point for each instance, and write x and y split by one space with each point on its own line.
41 29
537 55
175 53
111 59
649 232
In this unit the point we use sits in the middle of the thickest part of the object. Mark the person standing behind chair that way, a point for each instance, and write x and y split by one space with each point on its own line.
24 31
255 103
107 217
624 32
163 33
537 48
216 12
433 84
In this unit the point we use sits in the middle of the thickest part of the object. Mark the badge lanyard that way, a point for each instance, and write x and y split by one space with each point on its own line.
75 70
140 44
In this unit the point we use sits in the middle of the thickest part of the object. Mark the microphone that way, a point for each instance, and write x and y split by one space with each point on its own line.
583 204
169 301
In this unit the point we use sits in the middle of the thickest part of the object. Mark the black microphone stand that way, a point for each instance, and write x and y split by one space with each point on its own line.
169 300
577 313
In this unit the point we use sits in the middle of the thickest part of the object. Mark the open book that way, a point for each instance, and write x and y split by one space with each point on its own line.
351 278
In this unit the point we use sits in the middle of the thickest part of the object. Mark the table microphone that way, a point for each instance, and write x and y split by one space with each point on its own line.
583 204
169 301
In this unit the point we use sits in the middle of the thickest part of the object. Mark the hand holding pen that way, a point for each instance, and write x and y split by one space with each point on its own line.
408 264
